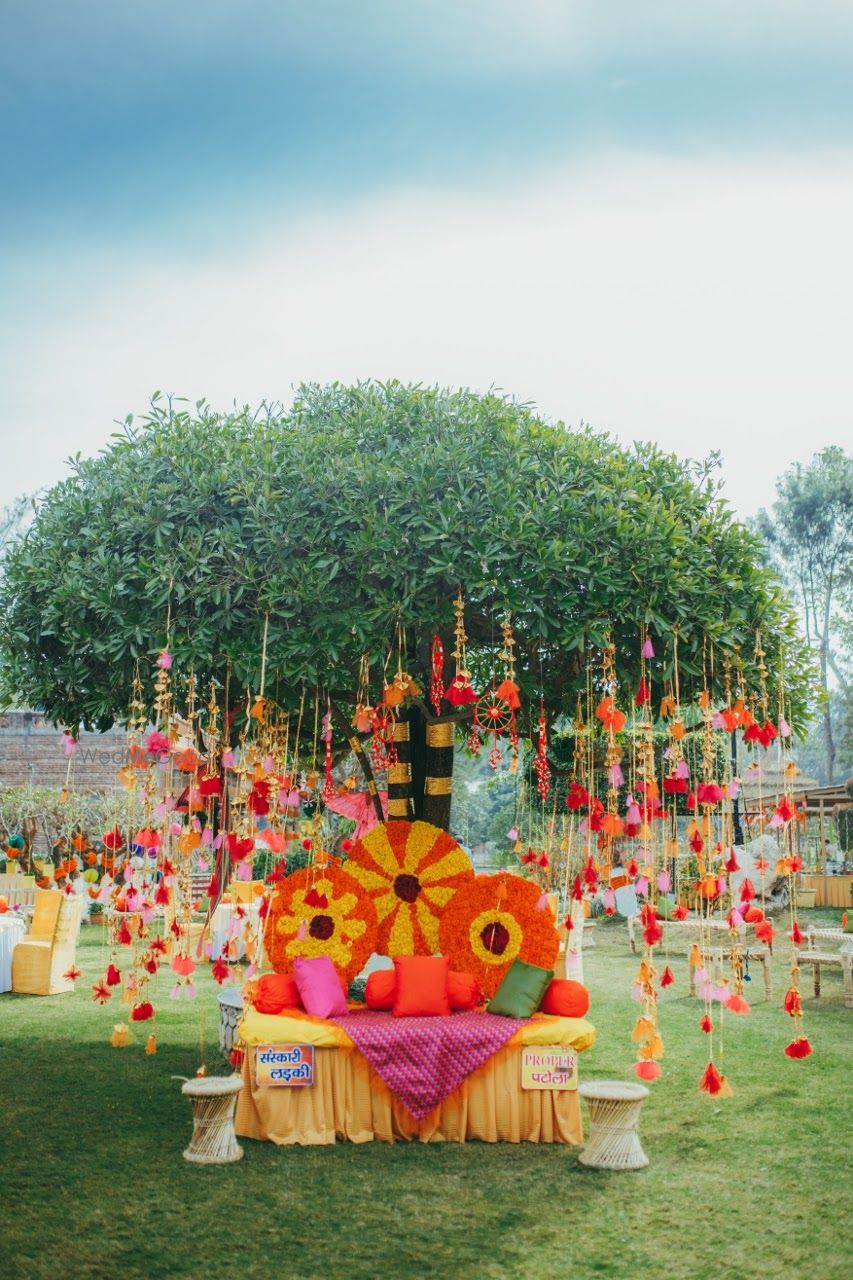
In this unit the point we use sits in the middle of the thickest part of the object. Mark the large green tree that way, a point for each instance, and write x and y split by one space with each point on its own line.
809 533
363 507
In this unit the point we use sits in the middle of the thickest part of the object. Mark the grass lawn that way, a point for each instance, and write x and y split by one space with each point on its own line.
94 1184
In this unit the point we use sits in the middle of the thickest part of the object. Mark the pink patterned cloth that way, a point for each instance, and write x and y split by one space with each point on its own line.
422 1060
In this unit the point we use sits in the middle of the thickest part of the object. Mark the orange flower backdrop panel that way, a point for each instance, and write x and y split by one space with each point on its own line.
494 920
411 871
321 913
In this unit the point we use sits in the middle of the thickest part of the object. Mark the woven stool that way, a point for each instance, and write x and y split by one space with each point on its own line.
614 1112
214 1100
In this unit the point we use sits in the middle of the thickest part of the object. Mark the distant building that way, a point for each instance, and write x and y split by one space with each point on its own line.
32 753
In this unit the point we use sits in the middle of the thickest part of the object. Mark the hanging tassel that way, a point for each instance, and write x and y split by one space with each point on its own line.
737 1004
647 1070
151 1045
236 1057
648 648
712 1081
799 1048
121 1038
667 978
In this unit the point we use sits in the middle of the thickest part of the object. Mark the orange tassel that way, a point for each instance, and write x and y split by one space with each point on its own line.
151 1046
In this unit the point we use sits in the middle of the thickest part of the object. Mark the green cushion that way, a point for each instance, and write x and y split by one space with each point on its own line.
522 988
665 906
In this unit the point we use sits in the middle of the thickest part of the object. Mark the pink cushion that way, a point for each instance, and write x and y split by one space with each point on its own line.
319 987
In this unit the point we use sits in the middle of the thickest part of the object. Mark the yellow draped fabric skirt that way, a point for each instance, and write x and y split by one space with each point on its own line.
350 1101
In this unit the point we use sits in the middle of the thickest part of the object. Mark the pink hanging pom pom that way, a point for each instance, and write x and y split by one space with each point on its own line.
217 840
207 837
648 648
784 728
512 834
717 721
663 882
733 789
175 828
681 769
165 660
228 759
615 775
641 885
268 764
70 744
609 899
244 870
175 993
190 991
632 812
251 970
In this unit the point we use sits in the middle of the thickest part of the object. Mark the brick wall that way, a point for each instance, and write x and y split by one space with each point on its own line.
32 753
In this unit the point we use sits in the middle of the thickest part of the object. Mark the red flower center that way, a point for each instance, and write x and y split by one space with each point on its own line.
407 887
322 927
495 938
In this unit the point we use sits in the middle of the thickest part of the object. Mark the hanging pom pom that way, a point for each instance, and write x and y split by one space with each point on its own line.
151 1045
121 1037
667 978
797 934
747 890
142 1012
647 1070
648 648
706 1025
712 1081
643 694
792 1003
113 978
235 1057
737 1004
799 1048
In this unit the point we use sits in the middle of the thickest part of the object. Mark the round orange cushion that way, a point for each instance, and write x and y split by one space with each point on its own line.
565 999
463 991
421 989
379 989
276 991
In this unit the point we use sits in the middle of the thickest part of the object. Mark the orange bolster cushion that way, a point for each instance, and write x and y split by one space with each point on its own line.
276 991
565 999
463 991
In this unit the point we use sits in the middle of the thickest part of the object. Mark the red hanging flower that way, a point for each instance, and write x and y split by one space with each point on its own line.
219 970
113 978
142 1012
799 1048
101 993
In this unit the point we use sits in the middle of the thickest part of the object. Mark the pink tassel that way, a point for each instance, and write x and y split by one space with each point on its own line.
681 769
228 759
784 728
615 776
648 648
663 882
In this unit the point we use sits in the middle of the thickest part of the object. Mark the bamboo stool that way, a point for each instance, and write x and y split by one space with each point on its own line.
214 1099
614 1113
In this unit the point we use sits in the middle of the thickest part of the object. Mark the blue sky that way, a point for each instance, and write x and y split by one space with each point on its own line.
637 214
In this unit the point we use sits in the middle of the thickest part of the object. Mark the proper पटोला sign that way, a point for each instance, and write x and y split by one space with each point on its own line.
549 1067
284 1064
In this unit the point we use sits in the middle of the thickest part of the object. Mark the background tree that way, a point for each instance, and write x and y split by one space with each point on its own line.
809 533
365 507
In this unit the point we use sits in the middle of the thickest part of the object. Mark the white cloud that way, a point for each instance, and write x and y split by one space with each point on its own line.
699 304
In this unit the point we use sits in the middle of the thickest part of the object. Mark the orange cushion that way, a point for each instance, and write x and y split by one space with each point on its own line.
463 991
276 991
421 986
565 999
379 989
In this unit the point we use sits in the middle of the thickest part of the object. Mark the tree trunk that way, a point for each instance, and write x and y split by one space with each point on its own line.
431 742
828 739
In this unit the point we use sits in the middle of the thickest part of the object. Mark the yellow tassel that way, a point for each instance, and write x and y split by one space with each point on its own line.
151 1046
642 1029
695 956
120 1037
726 1090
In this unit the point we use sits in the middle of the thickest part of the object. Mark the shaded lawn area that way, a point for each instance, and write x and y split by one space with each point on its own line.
95 1186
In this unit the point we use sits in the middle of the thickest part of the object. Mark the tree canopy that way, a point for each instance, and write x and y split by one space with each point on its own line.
809 533
359 508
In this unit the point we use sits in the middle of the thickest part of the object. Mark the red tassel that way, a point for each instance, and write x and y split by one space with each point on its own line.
643 694
667 977
737 1004
796 933
732 863
142 1012
765 932
680 912
706 1025
652 933
509 691
459 692
235 1057
712 1081
747 891
799 1048
793 1004
113 976
219 970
